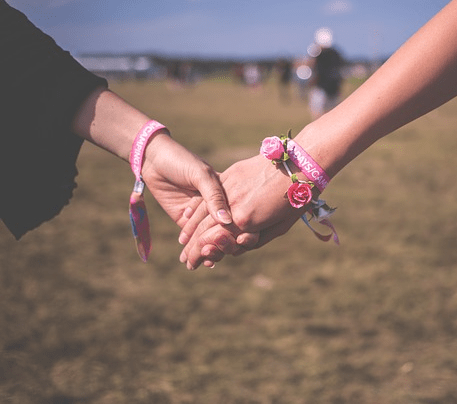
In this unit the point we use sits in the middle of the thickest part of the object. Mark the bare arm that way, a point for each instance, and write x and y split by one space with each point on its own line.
418 78
172 173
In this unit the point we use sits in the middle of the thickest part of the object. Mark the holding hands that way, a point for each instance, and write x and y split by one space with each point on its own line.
261 209
399 92
197 200
263 202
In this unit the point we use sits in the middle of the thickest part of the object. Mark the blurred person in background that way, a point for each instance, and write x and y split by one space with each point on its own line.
50 104
238 75
400 91
284 68
326 76
252 75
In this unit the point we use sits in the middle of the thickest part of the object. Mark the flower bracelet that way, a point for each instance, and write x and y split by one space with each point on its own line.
300 193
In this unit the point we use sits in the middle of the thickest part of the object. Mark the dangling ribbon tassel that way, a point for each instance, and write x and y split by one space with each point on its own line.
139 221
137 208
320 212
323 237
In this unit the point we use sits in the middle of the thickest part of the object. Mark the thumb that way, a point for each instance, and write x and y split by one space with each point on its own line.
248 240
213 193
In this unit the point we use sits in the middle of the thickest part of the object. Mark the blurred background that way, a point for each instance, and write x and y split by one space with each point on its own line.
83 320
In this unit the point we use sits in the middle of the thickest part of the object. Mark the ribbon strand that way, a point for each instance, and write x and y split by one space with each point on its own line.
137 208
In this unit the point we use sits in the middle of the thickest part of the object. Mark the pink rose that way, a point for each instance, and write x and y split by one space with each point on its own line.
272 148
299 194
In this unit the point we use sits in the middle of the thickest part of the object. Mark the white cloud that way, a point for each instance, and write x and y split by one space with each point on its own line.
338 7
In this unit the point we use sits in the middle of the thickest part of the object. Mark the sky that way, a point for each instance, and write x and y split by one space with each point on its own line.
228 28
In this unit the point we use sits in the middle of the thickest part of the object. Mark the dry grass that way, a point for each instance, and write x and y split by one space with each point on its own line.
299 321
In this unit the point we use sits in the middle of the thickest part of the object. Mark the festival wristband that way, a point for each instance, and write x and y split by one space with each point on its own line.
282 149
307 165
139 146
137 208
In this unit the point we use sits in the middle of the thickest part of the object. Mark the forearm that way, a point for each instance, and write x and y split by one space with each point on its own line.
109 122
419 77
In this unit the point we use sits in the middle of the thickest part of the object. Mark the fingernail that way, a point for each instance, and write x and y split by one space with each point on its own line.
183 238
240 239
188 213
224 216
209 264
183 257
190 267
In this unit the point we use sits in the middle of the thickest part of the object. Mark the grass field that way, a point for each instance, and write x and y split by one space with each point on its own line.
83 320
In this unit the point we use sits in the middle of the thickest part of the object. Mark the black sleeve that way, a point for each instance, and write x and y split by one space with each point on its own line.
41 88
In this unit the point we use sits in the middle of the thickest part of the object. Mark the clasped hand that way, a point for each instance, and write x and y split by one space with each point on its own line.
255 191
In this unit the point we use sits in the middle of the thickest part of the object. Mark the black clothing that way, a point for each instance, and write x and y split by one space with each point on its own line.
328 71
286 72
41 88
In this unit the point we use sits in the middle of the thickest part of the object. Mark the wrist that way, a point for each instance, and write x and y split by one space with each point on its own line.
286 177
301 193
140 144
285 152
157 148
311 139
335 139
293 169
109 122
137 208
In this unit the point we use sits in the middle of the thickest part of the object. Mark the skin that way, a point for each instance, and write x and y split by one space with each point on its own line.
419 77
173 174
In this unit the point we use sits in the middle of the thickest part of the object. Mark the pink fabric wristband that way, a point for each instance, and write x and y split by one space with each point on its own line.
280 150
307 165
137 208
139 146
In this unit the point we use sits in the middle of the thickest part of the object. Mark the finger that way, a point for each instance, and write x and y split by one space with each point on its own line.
220 248
199 214
225 241
216 236
215 252
213 193
191 232
189 211
196 242
248 240
194 203
212 253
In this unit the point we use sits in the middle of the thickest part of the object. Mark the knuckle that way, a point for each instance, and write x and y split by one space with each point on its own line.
225 242
243 221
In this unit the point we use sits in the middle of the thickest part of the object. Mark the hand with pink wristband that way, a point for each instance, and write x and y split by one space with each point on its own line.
173 174
400 91
260 212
